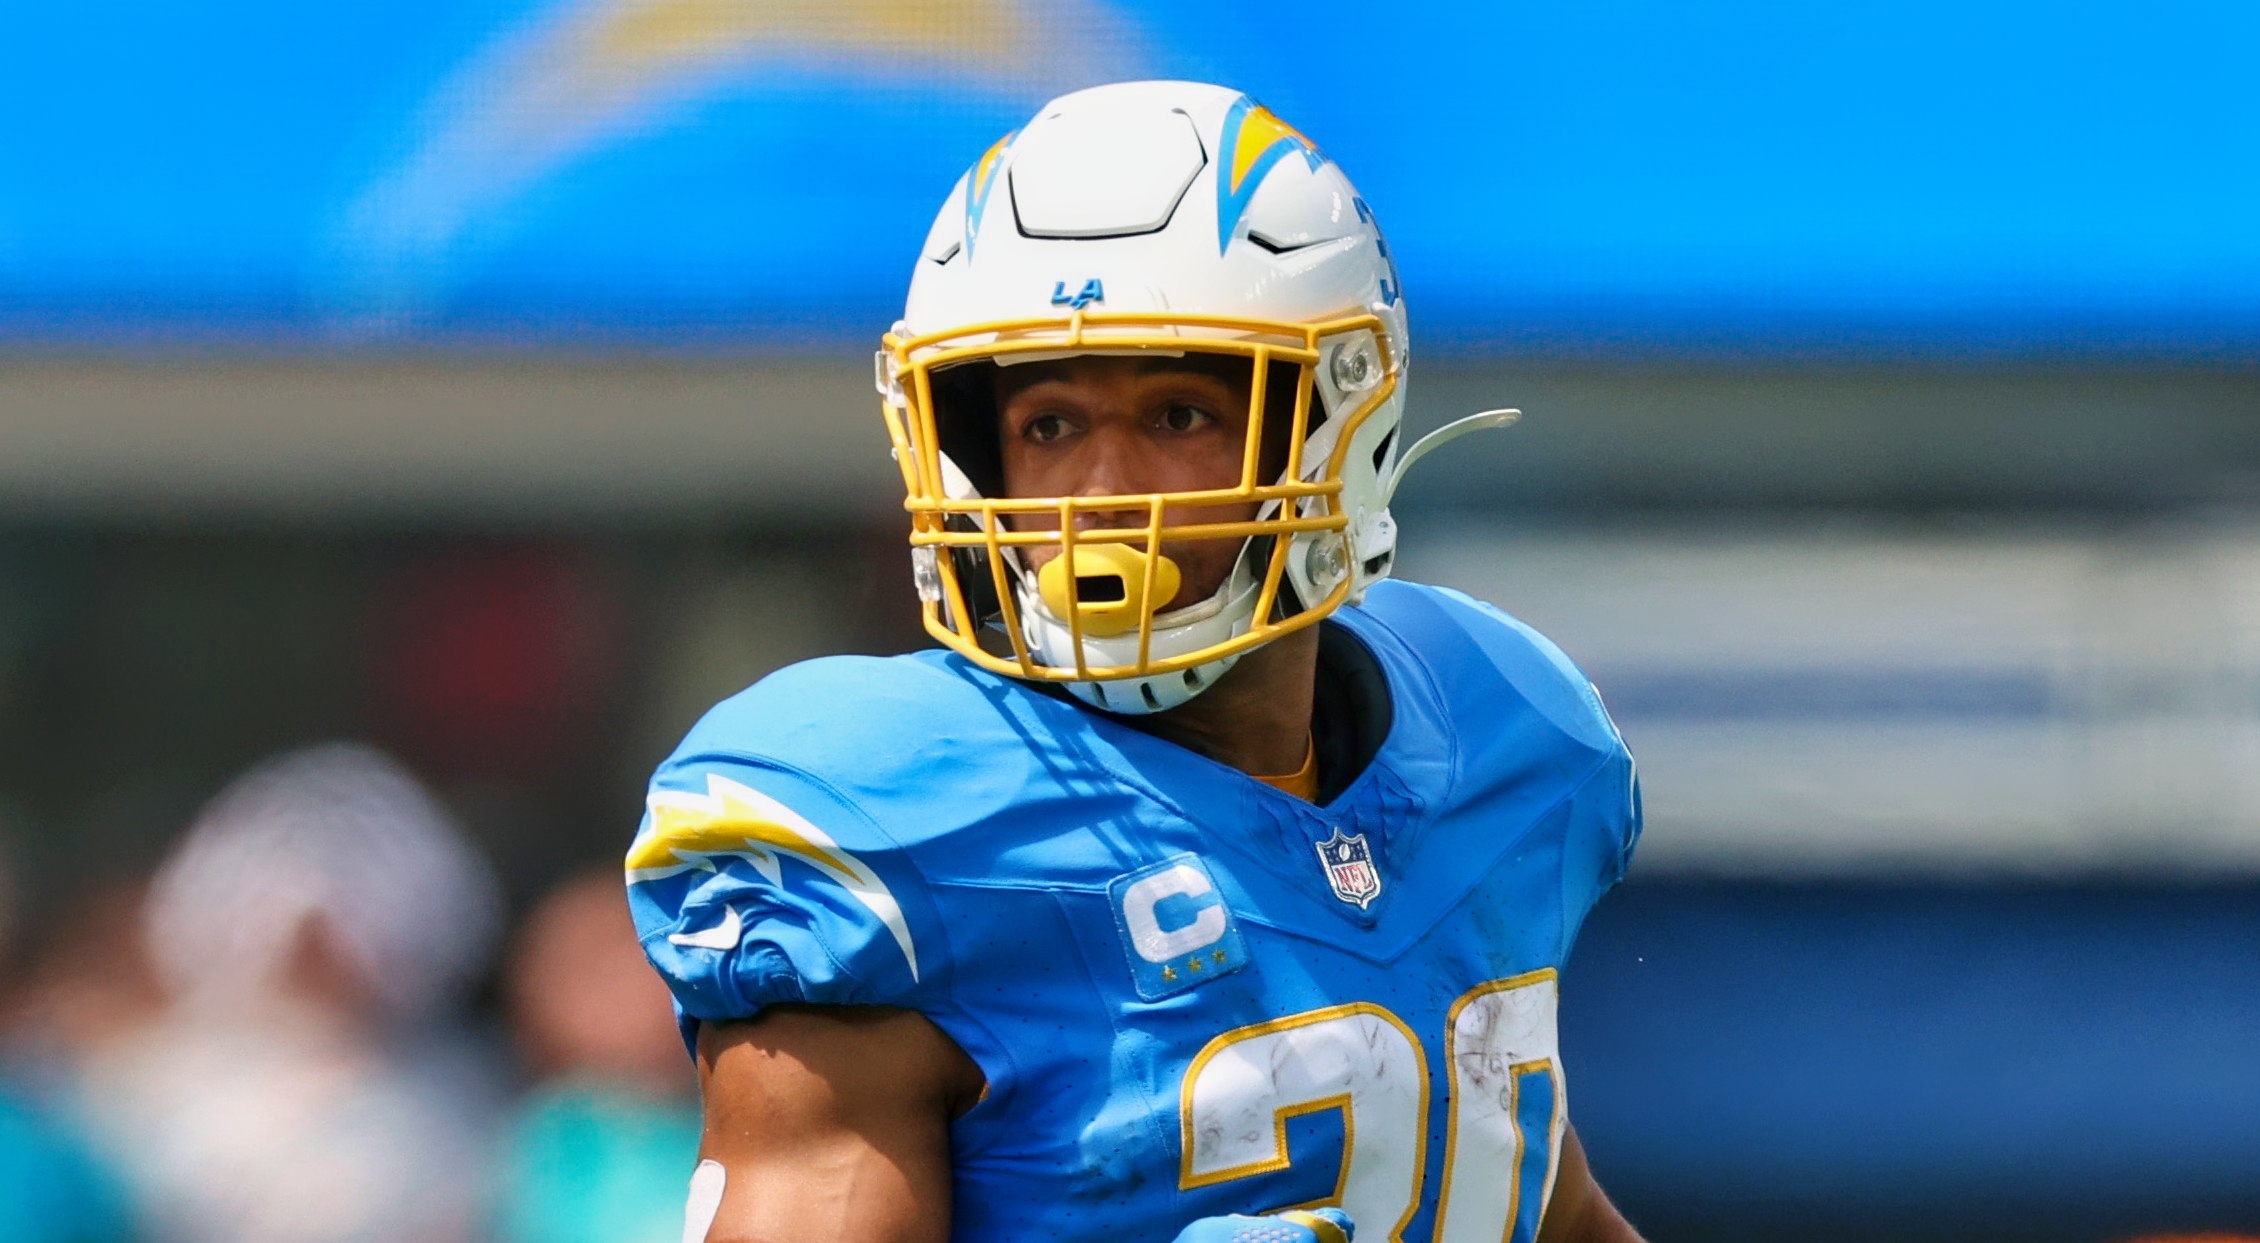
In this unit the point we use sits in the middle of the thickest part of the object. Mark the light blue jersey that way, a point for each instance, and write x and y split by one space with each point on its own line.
1191 994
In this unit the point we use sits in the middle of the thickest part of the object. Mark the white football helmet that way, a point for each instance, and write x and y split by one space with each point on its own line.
1143 218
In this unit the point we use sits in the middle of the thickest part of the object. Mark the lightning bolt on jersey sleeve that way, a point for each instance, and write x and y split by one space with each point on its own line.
754 882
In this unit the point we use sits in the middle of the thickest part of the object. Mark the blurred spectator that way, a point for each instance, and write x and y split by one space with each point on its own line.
52 1190
314 930
89 986
603 1148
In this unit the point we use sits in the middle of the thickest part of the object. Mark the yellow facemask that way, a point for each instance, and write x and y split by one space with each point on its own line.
1107 586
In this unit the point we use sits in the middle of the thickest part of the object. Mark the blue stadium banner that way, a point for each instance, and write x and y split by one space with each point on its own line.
1921 177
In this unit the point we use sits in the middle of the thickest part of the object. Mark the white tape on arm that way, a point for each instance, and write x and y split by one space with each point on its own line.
705 1200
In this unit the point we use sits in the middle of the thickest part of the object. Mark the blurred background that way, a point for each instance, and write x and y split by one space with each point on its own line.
412 416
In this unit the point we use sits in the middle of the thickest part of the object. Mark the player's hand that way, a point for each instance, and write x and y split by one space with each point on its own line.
1325 1225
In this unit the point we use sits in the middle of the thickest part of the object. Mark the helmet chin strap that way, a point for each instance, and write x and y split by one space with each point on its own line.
1437 439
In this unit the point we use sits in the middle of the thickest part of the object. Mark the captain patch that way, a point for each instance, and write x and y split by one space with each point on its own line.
1176 929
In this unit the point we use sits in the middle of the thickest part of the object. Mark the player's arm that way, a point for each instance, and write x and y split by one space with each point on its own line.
1578 1212
830 1124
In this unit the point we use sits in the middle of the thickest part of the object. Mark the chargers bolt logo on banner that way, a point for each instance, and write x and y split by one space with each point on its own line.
1349 868
1091 292
1175 926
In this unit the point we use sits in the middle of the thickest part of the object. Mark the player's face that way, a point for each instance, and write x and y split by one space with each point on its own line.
1105 426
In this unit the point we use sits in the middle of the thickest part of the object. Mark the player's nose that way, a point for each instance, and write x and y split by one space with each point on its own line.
1113 466
1110 519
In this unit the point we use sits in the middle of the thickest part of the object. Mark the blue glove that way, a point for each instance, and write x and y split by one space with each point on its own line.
1324 1225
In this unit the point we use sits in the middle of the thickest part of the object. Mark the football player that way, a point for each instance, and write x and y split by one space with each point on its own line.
1205 884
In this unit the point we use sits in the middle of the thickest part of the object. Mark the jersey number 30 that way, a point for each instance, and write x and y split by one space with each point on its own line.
1505 1108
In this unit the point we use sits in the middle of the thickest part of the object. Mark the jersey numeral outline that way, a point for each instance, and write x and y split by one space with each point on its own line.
1507 1091
1242 1087
1506 1108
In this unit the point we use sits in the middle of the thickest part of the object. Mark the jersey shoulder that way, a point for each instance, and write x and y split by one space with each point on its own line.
834 712
1529 727
758 875
922 745
789 847
1476 646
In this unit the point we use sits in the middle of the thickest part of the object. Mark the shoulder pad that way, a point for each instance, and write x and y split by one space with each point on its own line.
1465 635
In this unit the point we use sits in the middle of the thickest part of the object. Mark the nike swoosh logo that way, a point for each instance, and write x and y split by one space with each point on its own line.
723 936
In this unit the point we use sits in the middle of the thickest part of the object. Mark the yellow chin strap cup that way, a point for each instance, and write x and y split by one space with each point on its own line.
1106 587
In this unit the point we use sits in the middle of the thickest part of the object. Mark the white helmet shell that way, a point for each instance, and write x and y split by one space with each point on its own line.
1182 199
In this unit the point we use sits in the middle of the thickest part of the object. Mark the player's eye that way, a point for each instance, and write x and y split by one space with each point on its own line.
1185 418
1045 428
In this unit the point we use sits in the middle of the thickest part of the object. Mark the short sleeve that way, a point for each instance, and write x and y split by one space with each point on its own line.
753 883
1603 829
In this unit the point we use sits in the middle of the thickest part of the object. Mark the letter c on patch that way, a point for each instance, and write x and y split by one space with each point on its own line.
1155 943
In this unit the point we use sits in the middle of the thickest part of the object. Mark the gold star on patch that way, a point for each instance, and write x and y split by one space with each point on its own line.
1168 972
1192 964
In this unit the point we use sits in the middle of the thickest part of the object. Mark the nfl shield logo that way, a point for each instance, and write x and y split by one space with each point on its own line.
1349 868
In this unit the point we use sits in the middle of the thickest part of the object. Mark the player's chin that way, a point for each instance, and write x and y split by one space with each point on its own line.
1202 567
